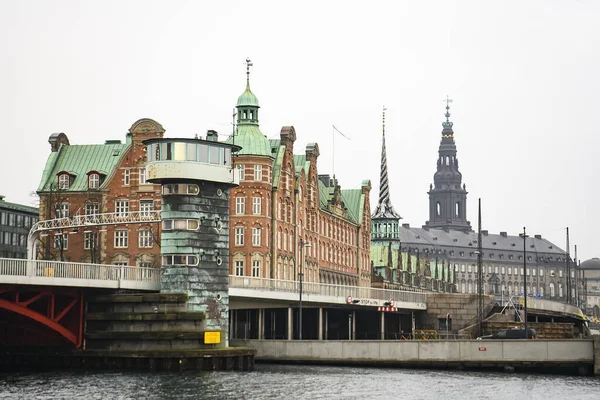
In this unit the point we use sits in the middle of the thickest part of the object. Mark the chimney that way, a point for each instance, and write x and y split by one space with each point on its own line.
503 234
406 225
538 236
56 140
484 232
1 197
212 136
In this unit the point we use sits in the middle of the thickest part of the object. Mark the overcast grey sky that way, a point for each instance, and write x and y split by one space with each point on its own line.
523 76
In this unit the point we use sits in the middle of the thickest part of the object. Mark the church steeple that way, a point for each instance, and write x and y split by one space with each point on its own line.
447 199
385 219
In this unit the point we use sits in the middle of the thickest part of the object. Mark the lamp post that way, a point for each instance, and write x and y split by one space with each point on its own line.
524 236
301 245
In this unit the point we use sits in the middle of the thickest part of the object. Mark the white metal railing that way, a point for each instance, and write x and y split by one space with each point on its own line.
75 221
356 292
71 270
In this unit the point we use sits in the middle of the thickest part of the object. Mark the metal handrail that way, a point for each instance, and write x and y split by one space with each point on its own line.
355 292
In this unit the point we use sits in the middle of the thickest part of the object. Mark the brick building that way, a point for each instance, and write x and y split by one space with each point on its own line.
101 178
284 211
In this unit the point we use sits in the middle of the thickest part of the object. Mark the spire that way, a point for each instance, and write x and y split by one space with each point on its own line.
384 207
447 199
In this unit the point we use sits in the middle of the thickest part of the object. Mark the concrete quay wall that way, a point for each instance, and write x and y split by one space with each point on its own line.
575 354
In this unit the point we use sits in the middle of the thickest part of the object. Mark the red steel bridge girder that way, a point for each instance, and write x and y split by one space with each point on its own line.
58 309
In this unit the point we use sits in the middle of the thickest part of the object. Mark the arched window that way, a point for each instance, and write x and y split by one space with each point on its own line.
64 181
438 209
560 290
94 181
551 289
457 208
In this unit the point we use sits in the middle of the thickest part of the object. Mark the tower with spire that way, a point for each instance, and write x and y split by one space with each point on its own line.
385 220
447 194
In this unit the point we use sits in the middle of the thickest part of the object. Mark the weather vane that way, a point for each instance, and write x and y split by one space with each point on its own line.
248 65
448 101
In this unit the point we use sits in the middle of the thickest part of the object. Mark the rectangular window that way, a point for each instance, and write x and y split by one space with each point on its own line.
541 272
241 171
3 218
560 273
146 207
90 240
22 240
533 271
239 235
121 239
64 181
258 172
239 268
65 241
63 210
92 208
11 219
143 176
240 205
94 181
145 239
126 176
279 240
469 268
256 205
502 269
255 236
19 220
122 208
256 268
496 269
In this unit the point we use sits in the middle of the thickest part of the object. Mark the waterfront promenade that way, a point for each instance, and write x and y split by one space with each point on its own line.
581 356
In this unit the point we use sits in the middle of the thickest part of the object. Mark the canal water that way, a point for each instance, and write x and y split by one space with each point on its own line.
296 382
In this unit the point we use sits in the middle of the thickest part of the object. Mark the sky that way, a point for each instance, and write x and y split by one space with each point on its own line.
523 77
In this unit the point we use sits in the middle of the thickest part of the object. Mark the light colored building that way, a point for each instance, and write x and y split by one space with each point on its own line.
15 222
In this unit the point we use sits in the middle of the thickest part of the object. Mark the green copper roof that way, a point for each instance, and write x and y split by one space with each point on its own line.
277 165
78 160
5 205
252 140
247 98
353 200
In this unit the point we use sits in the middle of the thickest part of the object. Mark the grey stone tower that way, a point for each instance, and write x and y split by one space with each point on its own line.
196 176
447 195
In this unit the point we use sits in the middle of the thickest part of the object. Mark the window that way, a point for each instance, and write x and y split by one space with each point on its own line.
126 176
180 188
560 274
145 238
239 235
146 207
256 205
180 224
239 268
552 274
241 171
122 208
60 241
541 272
92 208
240 205
90 240
180 259
258 172
469 268
94 181
462 268
560 290
551 289
256 236
496 269
64 181
533 271
502 269
121 239
62 210
256 268
143 176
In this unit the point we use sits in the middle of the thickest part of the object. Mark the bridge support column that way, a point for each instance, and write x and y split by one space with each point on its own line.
382 337
290 325
326 325
320 324
353 325
261 323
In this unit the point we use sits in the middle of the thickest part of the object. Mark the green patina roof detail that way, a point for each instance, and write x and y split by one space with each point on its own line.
252 141
380 253
277 165
247 98
5 205
353 200
78 160
300 164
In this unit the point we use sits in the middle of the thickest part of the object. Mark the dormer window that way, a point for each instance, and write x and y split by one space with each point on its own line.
94 180
64 181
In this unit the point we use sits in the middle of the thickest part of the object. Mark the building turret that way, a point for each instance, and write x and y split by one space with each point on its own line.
447 195
385 220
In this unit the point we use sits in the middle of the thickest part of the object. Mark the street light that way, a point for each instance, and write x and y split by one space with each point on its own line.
301 244
524 236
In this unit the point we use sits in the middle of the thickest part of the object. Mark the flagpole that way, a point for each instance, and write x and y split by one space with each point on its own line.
333 151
